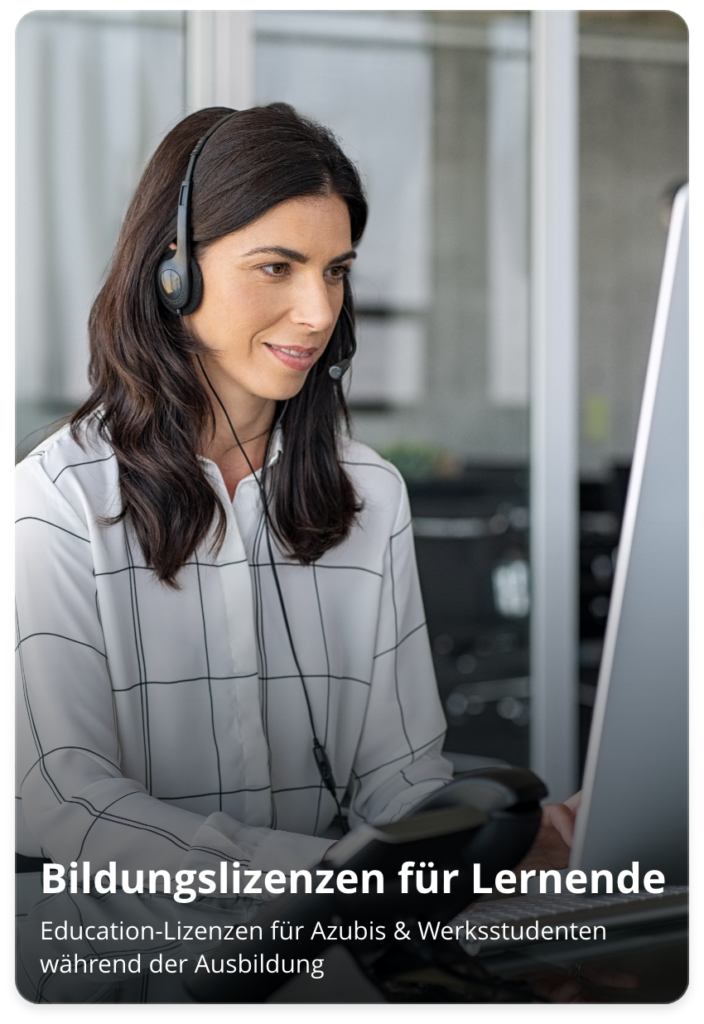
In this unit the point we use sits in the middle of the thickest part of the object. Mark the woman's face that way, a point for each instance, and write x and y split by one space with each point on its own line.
272 293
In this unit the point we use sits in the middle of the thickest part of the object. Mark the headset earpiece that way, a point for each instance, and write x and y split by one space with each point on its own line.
172 281
196 289
180 292
179 282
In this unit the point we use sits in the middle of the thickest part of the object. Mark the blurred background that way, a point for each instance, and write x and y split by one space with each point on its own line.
437 110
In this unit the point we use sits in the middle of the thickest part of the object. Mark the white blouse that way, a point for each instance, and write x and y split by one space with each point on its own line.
168 728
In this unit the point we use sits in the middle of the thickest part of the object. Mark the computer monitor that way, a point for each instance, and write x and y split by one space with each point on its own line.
634 804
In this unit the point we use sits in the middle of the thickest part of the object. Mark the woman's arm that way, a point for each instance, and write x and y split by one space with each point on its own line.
398 759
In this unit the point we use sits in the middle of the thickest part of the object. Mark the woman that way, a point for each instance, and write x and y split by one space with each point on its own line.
220 628
219 623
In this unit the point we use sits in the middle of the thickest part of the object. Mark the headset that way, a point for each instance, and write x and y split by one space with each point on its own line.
178 278
180 288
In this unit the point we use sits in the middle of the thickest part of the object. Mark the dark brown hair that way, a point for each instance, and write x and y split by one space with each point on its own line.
146 397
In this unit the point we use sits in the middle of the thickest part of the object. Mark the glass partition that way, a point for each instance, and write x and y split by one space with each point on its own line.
91 108
434 108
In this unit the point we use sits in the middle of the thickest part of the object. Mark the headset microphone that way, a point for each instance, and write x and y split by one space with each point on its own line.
338 370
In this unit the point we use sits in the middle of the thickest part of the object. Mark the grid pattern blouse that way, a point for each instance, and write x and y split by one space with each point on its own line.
168 728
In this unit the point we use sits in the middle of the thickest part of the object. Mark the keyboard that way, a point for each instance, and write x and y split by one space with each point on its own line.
503 923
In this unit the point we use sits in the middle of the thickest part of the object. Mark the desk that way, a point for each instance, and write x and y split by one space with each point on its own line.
658 954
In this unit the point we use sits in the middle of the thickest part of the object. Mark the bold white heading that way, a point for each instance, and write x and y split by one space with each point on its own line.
423 878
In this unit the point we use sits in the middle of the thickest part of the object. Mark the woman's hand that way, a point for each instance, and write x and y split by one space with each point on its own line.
551 849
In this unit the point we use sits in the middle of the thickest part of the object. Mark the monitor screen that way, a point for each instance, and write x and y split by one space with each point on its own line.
634 804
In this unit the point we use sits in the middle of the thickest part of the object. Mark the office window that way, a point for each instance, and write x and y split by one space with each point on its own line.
91 107
435 108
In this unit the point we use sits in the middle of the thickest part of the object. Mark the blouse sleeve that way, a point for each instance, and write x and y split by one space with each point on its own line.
74 801
399 759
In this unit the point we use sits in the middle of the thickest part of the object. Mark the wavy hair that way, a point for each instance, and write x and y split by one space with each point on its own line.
146 396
